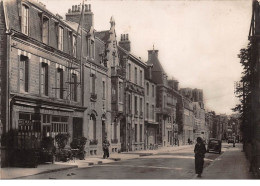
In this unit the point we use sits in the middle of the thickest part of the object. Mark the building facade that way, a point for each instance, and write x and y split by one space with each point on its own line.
151 125
132 132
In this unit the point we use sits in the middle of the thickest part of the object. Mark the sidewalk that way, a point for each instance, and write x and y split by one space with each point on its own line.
14 173
230 165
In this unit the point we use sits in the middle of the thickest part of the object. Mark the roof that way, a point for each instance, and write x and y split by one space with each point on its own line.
153 60
103 35
132 56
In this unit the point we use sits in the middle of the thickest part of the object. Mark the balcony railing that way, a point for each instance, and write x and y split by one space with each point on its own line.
114 141
93 142
93 97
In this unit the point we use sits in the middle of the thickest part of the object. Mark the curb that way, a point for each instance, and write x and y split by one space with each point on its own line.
47 171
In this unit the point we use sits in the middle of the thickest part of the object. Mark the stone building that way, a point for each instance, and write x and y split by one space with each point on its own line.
42 74
151 125
116 90
132 132
59 75
165 101
200 128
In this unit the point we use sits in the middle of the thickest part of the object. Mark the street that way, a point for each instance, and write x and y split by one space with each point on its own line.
169 165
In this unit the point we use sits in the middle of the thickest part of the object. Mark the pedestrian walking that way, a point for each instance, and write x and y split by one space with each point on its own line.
199 151
189 141
106 145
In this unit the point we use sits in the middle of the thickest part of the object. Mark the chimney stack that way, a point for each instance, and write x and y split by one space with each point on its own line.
125 43
74 14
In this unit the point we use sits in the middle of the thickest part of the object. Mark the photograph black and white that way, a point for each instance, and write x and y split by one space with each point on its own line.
130 90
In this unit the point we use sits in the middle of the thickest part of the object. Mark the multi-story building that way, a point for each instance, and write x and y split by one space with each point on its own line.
41 67
132 132
151 125
165 101
200 129
116 89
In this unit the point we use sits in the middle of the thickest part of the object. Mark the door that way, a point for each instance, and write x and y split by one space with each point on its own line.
103 130
77 127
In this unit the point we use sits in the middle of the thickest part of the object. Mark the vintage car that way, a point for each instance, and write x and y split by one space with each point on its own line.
230 140
214 145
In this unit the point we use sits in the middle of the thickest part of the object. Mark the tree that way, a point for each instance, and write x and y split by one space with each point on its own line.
244 90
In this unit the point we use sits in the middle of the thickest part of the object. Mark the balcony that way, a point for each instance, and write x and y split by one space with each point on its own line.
93 142
93 97
114 141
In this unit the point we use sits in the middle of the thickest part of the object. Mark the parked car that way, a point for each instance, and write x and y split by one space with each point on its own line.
214 145
230 140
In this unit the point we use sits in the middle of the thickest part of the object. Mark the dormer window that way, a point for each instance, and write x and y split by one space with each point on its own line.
91 48
25 19
60 40
45 30
74 46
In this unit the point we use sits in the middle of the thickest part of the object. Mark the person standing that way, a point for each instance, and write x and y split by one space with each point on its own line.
106 145
199 151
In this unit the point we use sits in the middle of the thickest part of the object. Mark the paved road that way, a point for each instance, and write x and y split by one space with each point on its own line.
170 165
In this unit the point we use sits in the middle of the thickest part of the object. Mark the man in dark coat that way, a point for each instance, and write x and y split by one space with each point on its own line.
199 151
106 145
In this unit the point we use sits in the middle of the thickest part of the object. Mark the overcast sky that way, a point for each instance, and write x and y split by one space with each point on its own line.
198 41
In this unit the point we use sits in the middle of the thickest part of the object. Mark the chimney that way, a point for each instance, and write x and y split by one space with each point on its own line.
152 53
125 43
74 14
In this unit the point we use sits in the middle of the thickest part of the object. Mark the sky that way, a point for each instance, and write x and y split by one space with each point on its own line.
198 41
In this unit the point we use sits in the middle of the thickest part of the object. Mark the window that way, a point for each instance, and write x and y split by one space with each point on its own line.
136 111
147 89
129 103
25 19
135 75
74 46
135 132
91 48
93 82
120 92
44 79
141 106
45 30
59 83
147 110
129 72
153 90
60 41
153 112
73 87
141 77
94 127
104 89
115 130
141 133
24 73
